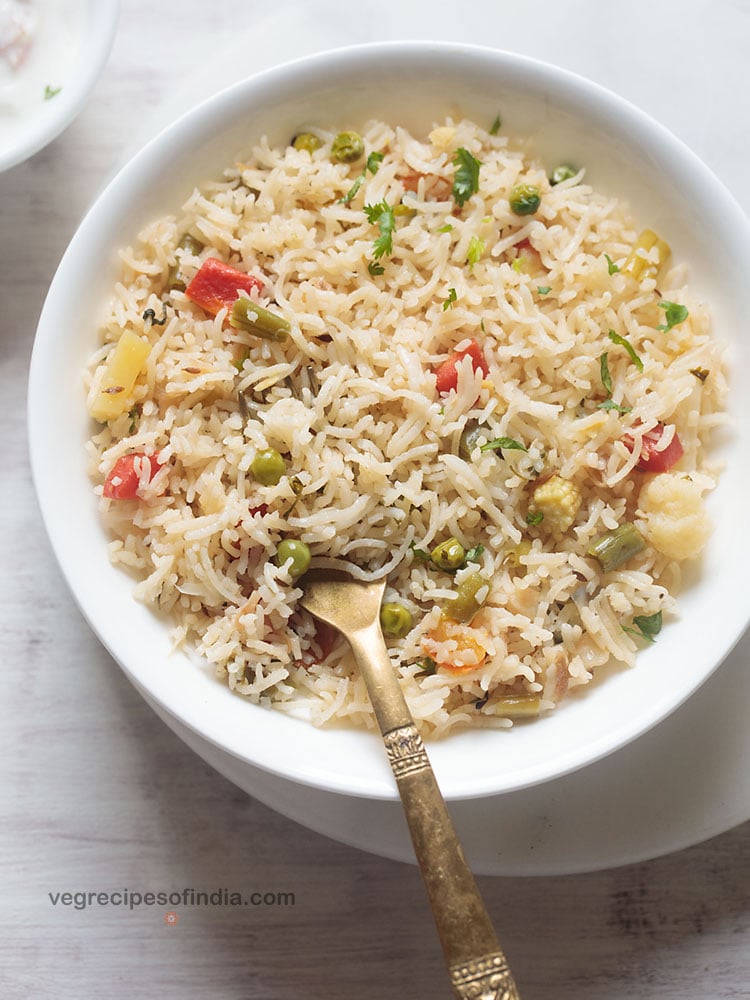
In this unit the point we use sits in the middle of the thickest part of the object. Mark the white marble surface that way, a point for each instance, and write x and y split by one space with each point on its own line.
97 795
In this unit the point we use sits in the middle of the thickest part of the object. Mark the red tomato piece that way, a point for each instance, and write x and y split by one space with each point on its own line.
446 376
217 286
122 482
653 460
262 510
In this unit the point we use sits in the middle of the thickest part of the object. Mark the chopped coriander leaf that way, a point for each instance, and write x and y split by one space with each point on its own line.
700 373
50 92
466 177
610 404
352 190
543 289
646 626
517 264
429 667
452 297
475 554
133 414
381 215
495 126
475 251
373 162
611 266
534 517
419 554
623 342
374 268
503 444
447 228
674 314
482 326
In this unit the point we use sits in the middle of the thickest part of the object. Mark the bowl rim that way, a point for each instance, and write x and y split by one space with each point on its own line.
98 37
579 88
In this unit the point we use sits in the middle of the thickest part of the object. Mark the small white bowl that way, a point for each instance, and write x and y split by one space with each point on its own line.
36 128
570 120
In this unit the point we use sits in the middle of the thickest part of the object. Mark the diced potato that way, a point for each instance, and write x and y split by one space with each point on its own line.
125 362
443 137
676 521
649 254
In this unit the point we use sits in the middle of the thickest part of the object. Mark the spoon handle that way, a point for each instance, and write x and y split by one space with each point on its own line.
476 963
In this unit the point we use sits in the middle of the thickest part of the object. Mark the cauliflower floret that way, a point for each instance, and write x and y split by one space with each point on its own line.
676 521
559 501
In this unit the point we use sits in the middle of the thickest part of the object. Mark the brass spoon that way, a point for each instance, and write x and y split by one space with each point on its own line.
476 963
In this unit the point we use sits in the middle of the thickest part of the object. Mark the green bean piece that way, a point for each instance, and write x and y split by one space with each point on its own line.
247 315
562 173
308 141
449 554
268 467
517 706
347 147
465 605
395 620
469 439
525 199
298 552
617 546
176 282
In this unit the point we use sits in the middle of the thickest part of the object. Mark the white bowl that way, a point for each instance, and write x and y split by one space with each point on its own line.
92 38
570 119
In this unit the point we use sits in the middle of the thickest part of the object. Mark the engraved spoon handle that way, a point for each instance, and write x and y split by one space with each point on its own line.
476 963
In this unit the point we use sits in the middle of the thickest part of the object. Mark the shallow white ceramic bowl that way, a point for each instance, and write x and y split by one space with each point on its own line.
569 119
53 116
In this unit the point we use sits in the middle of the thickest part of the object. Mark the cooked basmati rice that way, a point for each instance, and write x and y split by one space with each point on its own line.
350 400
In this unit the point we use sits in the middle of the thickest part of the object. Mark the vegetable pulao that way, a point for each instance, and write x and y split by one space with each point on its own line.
436 359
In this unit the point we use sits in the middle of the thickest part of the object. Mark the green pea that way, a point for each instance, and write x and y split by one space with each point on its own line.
465 605
525 199
347 147
395 620
268 467
562 173
308 141
298 552
449 554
